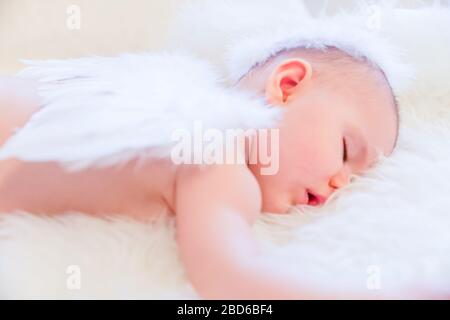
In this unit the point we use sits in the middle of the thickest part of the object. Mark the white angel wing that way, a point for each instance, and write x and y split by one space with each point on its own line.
103 111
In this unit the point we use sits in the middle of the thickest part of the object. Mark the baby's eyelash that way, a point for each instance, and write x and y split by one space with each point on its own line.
344 153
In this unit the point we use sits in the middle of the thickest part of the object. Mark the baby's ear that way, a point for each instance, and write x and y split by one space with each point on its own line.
285 80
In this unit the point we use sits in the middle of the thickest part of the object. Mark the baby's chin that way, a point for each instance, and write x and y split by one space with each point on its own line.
276 209
276 205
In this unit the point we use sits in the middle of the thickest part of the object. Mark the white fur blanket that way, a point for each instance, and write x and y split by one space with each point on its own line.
389 230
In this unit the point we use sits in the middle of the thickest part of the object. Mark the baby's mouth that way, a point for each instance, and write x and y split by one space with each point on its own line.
314 199
310 198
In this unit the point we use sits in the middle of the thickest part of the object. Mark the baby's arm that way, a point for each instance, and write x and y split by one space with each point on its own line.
216 207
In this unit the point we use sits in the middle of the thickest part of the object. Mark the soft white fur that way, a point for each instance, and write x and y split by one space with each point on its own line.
393 223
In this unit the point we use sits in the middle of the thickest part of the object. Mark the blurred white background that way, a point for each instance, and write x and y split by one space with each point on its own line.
38 29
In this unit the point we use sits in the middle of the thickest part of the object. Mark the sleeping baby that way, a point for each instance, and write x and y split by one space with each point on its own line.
96 135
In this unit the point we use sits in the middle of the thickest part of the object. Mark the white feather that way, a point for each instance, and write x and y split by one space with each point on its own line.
261 30
345 32
102 111
216 24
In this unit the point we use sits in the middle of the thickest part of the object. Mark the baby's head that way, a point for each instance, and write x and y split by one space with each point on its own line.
340 115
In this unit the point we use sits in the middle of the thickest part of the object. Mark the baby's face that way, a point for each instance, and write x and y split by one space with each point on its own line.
329 132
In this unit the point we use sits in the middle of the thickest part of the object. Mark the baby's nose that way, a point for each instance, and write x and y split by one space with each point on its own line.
339 180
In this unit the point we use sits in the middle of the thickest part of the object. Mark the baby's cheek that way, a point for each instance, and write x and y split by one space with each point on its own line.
316 162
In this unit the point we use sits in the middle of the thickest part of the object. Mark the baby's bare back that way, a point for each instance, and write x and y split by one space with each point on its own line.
132 189
136 188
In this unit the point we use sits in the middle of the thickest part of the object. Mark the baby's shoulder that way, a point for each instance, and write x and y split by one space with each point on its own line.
232 184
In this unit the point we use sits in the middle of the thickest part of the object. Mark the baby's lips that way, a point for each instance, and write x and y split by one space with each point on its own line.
302 198
315 199
307 197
